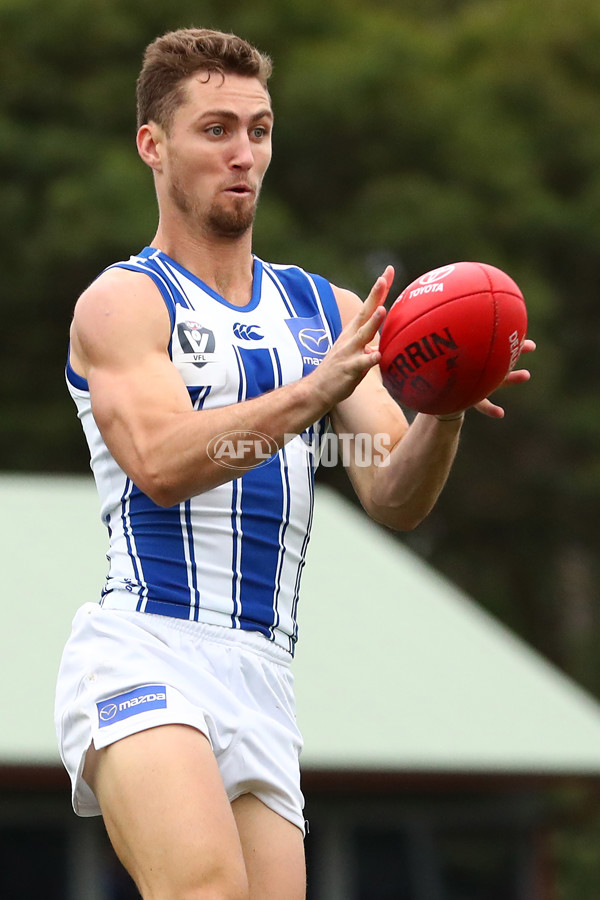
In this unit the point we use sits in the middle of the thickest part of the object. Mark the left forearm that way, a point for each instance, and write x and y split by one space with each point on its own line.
405 490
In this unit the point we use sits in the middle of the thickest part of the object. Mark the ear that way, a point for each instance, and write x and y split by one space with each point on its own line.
149 141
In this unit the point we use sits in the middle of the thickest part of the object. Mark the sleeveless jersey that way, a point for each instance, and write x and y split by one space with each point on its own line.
234 554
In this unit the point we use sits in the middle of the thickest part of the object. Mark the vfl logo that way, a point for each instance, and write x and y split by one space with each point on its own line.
314 339
436 275
197 342
247 332
142 699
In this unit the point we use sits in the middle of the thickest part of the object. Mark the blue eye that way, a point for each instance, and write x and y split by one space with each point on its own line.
216 130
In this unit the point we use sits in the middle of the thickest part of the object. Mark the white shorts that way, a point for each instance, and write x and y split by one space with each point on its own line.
123 672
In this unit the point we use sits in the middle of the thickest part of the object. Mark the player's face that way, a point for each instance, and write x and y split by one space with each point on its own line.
217 152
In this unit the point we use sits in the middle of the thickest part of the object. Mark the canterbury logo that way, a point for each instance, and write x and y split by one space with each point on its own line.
247 332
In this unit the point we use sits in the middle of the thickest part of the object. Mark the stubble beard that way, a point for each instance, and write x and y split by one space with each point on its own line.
223 219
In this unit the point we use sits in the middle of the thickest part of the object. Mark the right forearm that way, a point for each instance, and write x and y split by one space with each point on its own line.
190 452
143 411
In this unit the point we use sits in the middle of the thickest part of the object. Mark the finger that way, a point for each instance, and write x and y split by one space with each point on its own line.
379 291
490 409
528 346
368 330
388 275
372 358
517 377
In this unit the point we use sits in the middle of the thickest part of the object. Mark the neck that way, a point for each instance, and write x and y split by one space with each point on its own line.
224 264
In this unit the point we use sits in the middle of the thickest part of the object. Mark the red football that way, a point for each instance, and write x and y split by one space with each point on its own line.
451 337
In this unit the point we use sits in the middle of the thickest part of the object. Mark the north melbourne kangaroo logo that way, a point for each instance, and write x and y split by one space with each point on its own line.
247 332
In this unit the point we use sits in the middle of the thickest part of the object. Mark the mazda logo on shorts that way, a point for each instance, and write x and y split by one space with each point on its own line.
436 275
314 339
108 712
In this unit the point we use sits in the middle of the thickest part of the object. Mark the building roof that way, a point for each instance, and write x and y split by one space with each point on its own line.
396 670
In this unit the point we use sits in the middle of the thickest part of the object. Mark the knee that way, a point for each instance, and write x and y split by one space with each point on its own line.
226 887
214 893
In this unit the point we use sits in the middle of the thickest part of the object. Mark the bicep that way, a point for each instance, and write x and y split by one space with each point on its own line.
137 397
120 334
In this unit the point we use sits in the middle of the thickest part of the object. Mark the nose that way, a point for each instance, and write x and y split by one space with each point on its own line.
243 153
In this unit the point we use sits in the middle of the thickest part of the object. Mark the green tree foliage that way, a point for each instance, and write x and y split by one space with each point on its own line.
413 132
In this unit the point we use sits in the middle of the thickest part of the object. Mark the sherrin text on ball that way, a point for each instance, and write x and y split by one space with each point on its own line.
452 337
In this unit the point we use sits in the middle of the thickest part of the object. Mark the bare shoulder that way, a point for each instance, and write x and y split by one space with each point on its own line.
116 297
349 303
119 309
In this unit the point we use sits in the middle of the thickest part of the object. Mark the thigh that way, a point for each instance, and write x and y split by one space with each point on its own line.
167 814
273 851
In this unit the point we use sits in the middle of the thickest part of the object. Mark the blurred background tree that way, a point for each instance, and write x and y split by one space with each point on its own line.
419 133
416 133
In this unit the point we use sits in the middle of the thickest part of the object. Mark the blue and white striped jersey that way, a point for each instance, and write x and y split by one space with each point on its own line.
232 555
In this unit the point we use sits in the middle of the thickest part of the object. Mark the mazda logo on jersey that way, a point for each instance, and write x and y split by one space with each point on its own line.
197 342
314 339
247 332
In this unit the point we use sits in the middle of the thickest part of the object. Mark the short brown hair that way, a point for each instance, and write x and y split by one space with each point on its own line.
172 58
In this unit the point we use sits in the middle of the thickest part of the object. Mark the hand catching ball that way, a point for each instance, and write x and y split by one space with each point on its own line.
452 337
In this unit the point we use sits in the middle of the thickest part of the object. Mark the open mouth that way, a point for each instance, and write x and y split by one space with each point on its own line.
239 189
